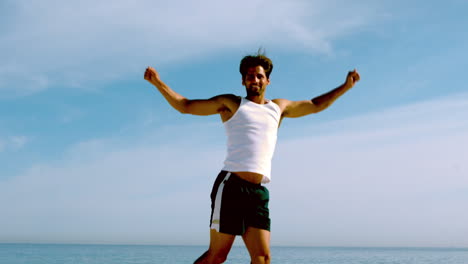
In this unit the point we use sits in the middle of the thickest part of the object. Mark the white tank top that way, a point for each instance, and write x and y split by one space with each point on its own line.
251 138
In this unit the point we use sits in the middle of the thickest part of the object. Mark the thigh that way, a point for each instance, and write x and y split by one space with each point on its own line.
257 242
220 245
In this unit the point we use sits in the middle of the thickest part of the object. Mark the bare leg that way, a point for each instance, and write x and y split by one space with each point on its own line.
220 245
257 242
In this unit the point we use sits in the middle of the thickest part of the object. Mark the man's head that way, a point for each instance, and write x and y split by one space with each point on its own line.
256 60
255 71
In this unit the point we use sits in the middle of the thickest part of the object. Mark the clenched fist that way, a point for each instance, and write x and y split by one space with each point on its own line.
151 75
353 77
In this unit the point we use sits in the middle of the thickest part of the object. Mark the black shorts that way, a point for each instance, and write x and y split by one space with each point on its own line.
237 204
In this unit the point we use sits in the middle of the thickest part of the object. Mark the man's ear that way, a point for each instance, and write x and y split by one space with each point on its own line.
243 83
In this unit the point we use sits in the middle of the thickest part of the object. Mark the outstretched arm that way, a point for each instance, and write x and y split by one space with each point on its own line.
319 103
210 106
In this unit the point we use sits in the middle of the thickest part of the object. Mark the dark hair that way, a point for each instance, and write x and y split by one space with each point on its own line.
260 59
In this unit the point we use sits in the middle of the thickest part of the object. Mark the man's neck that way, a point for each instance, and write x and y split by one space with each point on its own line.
258 99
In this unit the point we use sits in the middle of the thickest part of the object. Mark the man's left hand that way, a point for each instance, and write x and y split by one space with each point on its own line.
352 78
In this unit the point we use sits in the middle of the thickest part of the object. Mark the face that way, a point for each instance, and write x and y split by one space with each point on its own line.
255 81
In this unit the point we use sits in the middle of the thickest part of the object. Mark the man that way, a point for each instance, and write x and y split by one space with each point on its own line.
239 201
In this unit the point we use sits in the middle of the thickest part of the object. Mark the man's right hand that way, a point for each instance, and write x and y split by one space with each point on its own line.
151 75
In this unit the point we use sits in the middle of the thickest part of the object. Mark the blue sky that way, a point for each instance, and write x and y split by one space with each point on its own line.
91 153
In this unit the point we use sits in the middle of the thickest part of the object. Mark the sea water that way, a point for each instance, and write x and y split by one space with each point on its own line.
146 254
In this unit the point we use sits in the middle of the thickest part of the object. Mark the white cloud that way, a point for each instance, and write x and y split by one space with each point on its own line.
19 141
103 192
16 81
55 42
397 180
13 143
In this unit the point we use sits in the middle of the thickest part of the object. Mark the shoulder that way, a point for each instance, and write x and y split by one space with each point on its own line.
228 102
282 103
228 99
232 97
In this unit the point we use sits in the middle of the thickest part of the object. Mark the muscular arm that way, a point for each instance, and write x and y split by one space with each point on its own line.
319 103
210 106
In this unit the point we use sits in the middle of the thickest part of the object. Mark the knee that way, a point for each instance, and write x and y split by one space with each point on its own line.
262 259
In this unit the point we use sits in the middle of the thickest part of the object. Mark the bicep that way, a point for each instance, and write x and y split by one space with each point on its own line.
299 108
204 106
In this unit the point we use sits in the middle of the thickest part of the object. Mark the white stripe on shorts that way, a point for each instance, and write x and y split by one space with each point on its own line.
217 207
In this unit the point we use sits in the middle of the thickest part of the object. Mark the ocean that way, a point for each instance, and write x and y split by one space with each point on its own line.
146 254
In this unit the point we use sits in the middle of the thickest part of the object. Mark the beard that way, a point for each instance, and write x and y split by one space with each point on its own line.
254 92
